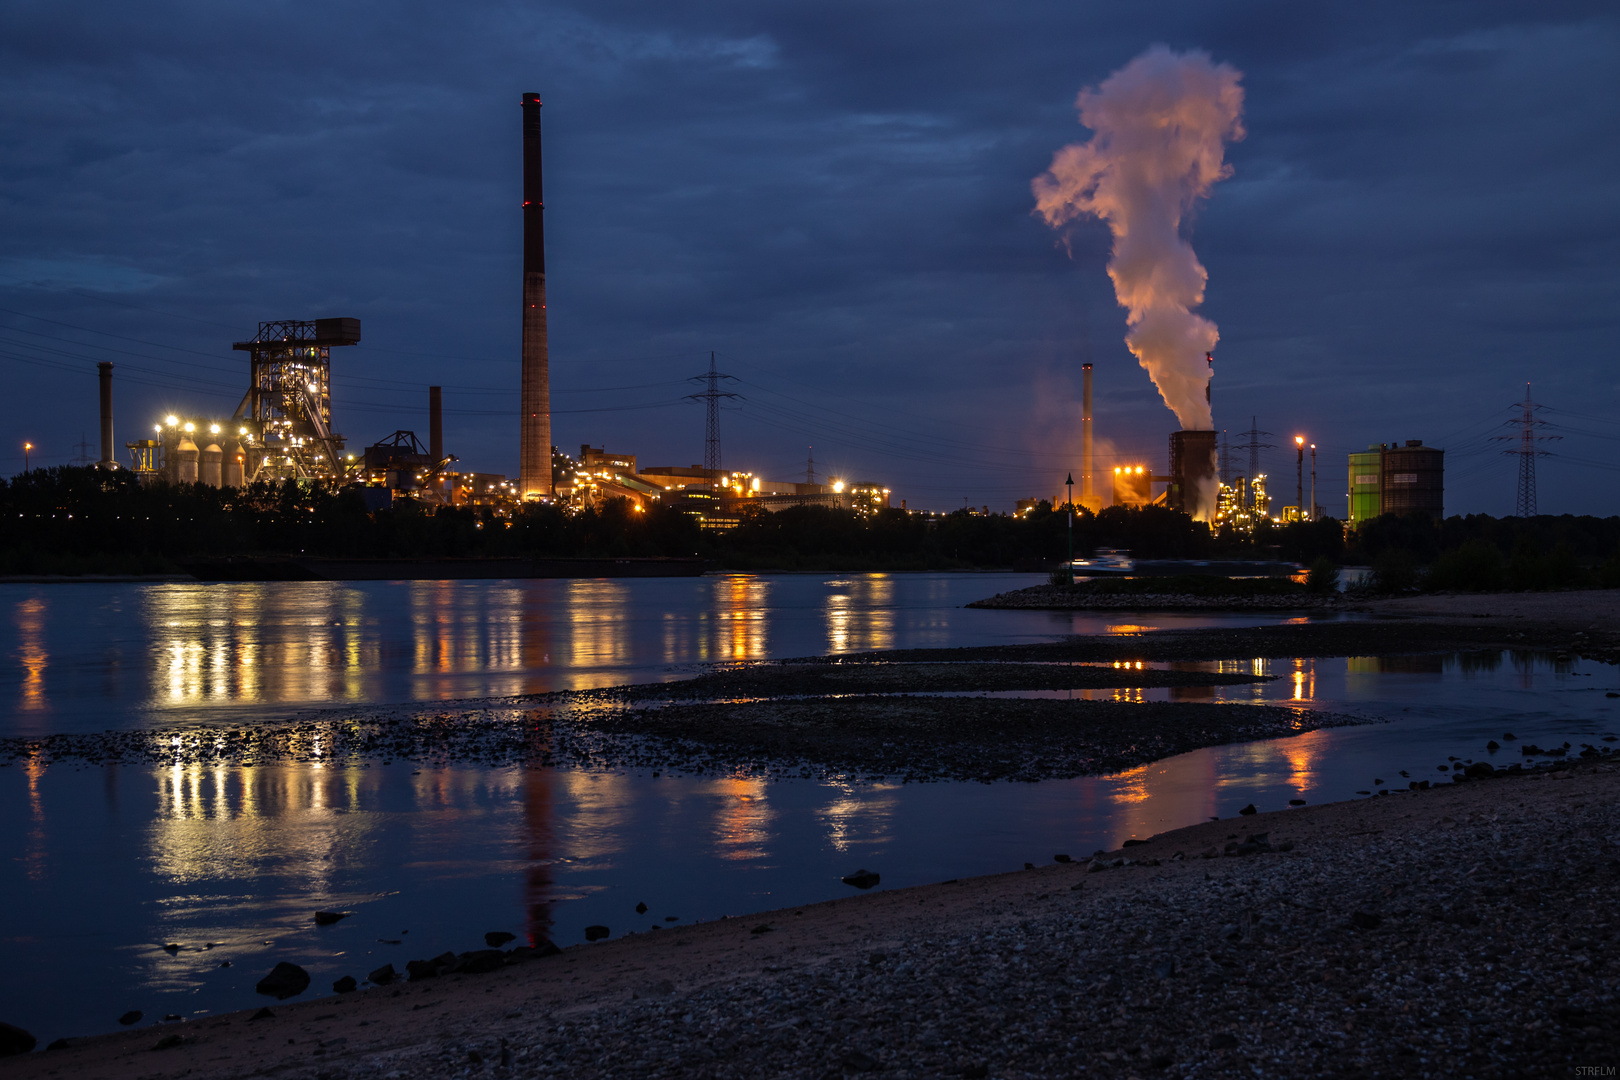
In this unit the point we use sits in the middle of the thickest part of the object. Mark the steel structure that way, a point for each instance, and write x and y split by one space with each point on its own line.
1527 451
711 396
285 419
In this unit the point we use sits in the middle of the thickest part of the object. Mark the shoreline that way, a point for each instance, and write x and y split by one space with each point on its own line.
1410 933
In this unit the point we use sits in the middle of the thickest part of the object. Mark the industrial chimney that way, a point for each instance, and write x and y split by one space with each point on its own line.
534 468
108 461
1088 498
436 423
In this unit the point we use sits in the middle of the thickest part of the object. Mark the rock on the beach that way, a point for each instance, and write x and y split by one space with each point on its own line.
479 962
641 908
284 981
496 938
1249 809
862 879
596 933
345 985
383 975
168 1042
14 1040
264 1013
327 918
1366 920
131 1017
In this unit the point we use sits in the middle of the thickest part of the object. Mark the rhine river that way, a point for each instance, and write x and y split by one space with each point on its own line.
104 866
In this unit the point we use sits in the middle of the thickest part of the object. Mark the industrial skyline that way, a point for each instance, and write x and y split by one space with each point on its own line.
854 240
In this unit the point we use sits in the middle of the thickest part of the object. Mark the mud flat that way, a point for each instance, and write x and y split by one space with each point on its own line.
1467 930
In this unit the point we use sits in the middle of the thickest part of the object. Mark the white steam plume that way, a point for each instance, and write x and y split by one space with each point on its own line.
1161 123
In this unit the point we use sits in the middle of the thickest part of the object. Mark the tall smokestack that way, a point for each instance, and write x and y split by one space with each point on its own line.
1087 496
534 467
436 423
107 458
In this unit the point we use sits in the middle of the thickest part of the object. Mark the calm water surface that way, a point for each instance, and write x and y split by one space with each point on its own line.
104 866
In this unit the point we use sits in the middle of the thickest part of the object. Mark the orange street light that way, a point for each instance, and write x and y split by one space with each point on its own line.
27 446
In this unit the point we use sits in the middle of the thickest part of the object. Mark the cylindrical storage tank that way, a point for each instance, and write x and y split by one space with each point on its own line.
185 461
231 467
1415 479
1193 484
211 460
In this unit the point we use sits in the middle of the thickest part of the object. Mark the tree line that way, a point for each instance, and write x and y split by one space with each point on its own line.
75 520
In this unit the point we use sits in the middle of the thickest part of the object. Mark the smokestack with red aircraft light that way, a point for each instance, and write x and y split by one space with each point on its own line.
534 461
1088 491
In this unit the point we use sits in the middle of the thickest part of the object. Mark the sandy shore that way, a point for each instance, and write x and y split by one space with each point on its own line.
1468 930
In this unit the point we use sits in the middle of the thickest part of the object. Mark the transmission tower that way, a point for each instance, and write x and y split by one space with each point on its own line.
711 396
1253 445
810 466
83 447
1527 452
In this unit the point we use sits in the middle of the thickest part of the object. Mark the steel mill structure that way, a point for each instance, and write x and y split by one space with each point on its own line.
534 450
1193 486
285 419
1389 478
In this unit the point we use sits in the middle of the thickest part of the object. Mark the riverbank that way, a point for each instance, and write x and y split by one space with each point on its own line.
1463 930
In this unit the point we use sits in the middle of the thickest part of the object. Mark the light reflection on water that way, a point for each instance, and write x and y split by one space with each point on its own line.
115 862
90 657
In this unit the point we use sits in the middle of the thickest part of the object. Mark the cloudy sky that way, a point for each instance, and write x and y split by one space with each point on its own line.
835 199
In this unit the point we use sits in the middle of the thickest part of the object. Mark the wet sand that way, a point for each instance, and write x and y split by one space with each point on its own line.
1463 930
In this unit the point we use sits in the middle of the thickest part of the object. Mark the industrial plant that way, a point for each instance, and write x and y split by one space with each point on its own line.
284 429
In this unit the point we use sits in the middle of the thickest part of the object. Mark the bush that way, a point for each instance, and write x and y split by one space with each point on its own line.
1393 571
1608 575
1323 576
1558 569
1476 566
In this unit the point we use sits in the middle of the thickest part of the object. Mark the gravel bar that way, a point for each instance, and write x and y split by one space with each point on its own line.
866 738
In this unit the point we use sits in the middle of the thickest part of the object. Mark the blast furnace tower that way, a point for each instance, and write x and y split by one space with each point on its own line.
285 419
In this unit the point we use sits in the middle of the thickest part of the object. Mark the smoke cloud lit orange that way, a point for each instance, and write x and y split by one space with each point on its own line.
1160 127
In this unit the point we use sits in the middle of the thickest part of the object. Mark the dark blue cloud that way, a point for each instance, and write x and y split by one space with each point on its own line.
835 198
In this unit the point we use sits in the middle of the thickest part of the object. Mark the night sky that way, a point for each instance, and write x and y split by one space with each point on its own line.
835 199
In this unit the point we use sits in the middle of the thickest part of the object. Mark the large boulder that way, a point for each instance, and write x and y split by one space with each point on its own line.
14 1040
284 981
